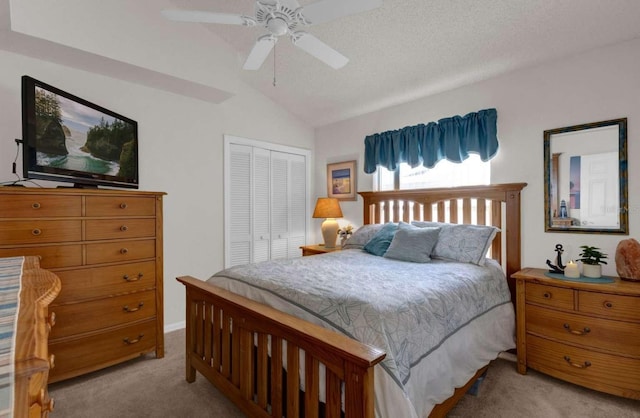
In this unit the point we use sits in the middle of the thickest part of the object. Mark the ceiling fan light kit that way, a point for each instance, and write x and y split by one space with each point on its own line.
284 17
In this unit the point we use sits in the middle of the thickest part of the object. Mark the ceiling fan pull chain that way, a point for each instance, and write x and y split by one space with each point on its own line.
274 65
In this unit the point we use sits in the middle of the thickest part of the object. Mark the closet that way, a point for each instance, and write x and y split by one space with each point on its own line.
266 200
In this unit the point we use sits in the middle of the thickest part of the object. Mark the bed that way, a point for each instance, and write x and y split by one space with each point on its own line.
298 347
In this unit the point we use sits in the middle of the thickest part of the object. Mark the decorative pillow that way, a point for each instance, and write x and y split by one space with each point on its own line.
380 242
462 242
413 244
361 236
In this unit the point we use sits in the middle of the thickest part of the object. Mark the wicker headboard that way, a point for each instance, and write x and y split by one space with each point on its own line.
496 204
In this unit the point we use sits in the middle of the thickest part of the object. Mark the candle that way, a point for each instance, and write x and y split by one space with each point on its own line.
571 270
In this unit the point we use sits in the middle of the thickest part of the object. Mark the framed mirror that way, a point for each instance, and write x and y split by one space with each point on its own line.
585 178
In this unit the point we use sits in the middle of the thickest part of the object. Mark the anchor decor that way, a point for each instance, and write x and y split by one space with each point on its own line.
558 267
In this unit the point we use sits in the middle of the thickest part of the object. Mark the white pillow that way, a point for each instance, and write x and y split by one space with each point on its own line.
361 236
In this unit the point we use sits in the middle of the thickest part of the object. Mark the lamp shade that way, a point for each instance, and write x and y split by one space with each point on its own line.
327 207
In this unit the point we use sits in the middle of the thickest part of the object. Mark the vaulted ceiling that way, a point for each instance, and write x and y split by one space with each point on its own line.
403 50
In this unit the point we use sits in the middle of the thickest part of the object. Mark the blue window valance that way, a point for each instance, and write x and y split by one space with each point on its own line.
450 138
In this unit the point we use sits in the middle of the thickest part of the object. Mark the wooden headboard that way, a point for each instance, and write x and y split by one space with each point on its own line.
496 204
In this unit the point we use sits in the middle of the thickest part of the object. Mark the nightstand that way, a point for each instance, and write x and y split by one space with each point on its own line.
317 249
584 333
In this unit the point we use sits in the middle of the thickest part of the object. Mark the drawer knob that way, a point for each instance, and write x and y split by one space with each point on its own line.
126 308
577 365
134 341
132 279
546 295
35 205
36 232
608 305
124 228
123 205
584 331
51 320
123 251
46 406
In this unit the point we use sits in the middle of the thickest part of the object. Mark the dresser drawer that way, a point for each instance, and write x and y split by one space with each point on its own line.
78 318
51 256
615 336
120 206
39 232
608 373
76 356
39 206
119 229
98 282
556 297
120 251
611 306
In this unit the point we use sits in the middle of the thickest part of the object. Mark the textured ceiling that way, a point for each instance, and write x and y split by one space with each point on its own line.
408 49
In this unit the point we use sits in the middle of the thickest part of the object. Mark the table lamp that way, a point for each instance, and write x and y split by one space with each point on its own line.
328 208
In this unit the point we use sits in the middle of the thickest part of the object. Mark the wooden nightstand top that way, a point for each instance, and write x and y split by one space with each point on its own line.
619 286
317 249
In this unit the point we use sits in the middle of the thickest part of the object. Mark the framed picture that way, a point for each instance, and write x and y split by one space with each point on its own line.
341 180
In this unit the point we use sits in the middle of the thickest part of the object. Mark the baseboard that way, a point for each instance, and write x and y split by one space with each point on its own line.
175 326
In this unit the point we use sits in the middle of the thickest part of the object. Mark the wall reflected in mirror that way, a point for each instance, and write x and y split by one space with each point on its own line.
586 178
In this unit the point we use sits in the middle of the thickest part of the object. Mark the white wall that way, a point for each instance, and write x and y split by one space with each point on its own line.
599 85
180 147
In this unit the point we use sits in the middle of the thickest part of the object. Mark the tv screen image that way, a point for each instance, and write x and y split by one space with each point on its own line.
72 140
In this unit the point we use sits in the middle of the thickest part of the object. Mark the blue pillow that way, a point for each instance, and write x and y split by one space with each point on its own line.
380 242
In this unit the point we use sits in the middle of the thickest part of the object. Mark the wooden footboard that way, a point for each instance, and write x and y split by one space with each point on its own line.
244 347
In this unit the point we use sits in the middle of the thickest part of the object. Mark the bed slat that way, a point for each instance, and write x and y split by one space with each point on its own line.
293 362
276 376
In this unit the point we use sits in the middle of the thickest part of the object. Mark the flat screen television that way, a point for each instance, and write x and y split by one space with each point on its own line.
69 139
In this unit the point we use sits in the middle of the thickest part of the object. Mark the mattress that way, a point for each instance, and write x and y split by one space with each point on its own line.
438 322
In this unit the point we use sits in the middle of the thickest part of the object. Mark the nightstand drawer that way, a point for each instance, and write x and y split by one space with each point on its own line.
599 371
556 297
613 336
611 306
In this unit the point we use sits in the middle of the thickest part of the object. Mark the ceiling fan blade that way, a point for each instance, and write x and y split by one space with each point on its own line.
319 49
259 52
326 10
207 17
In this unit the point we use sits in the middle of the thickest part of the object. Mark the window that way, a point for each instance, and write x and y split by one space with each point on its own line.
472 171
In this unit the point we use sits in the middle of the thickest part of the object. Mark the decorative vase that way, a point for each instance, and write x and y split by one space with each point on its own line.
592 270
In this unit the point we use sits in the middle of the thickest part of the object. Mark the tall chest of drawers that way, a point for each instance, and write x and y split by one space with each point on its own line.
584 333
106 248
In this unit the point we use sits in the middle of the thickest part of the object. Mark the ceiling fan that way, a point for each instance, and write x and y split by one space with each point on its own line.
284 17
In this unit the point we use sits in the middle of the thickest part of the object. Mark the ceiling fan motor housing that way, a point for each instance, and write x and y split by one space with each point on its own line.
277 18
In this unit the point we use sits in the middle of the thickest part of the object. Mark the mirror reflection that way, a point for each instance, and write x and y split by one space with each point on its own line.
586 178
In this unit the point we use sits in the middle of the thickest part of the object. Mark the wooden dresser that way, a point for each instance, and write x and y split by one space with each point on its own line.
32 360
587 334
106 248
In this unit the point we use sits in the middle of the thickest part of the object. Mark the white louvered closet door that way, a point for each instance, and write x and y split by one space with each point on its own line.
261 205
239 194
266 202
297 204
279 205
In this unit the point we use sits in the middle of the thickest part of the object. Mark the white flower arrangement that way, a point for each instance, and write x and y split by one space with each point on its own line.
345 232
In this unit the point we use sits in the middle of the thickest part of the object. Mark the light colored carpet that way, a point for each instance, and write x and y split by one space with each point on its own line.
148 387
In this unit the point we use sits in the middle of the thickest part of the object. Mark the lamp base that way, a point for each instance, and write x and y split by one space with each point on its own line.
330 232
